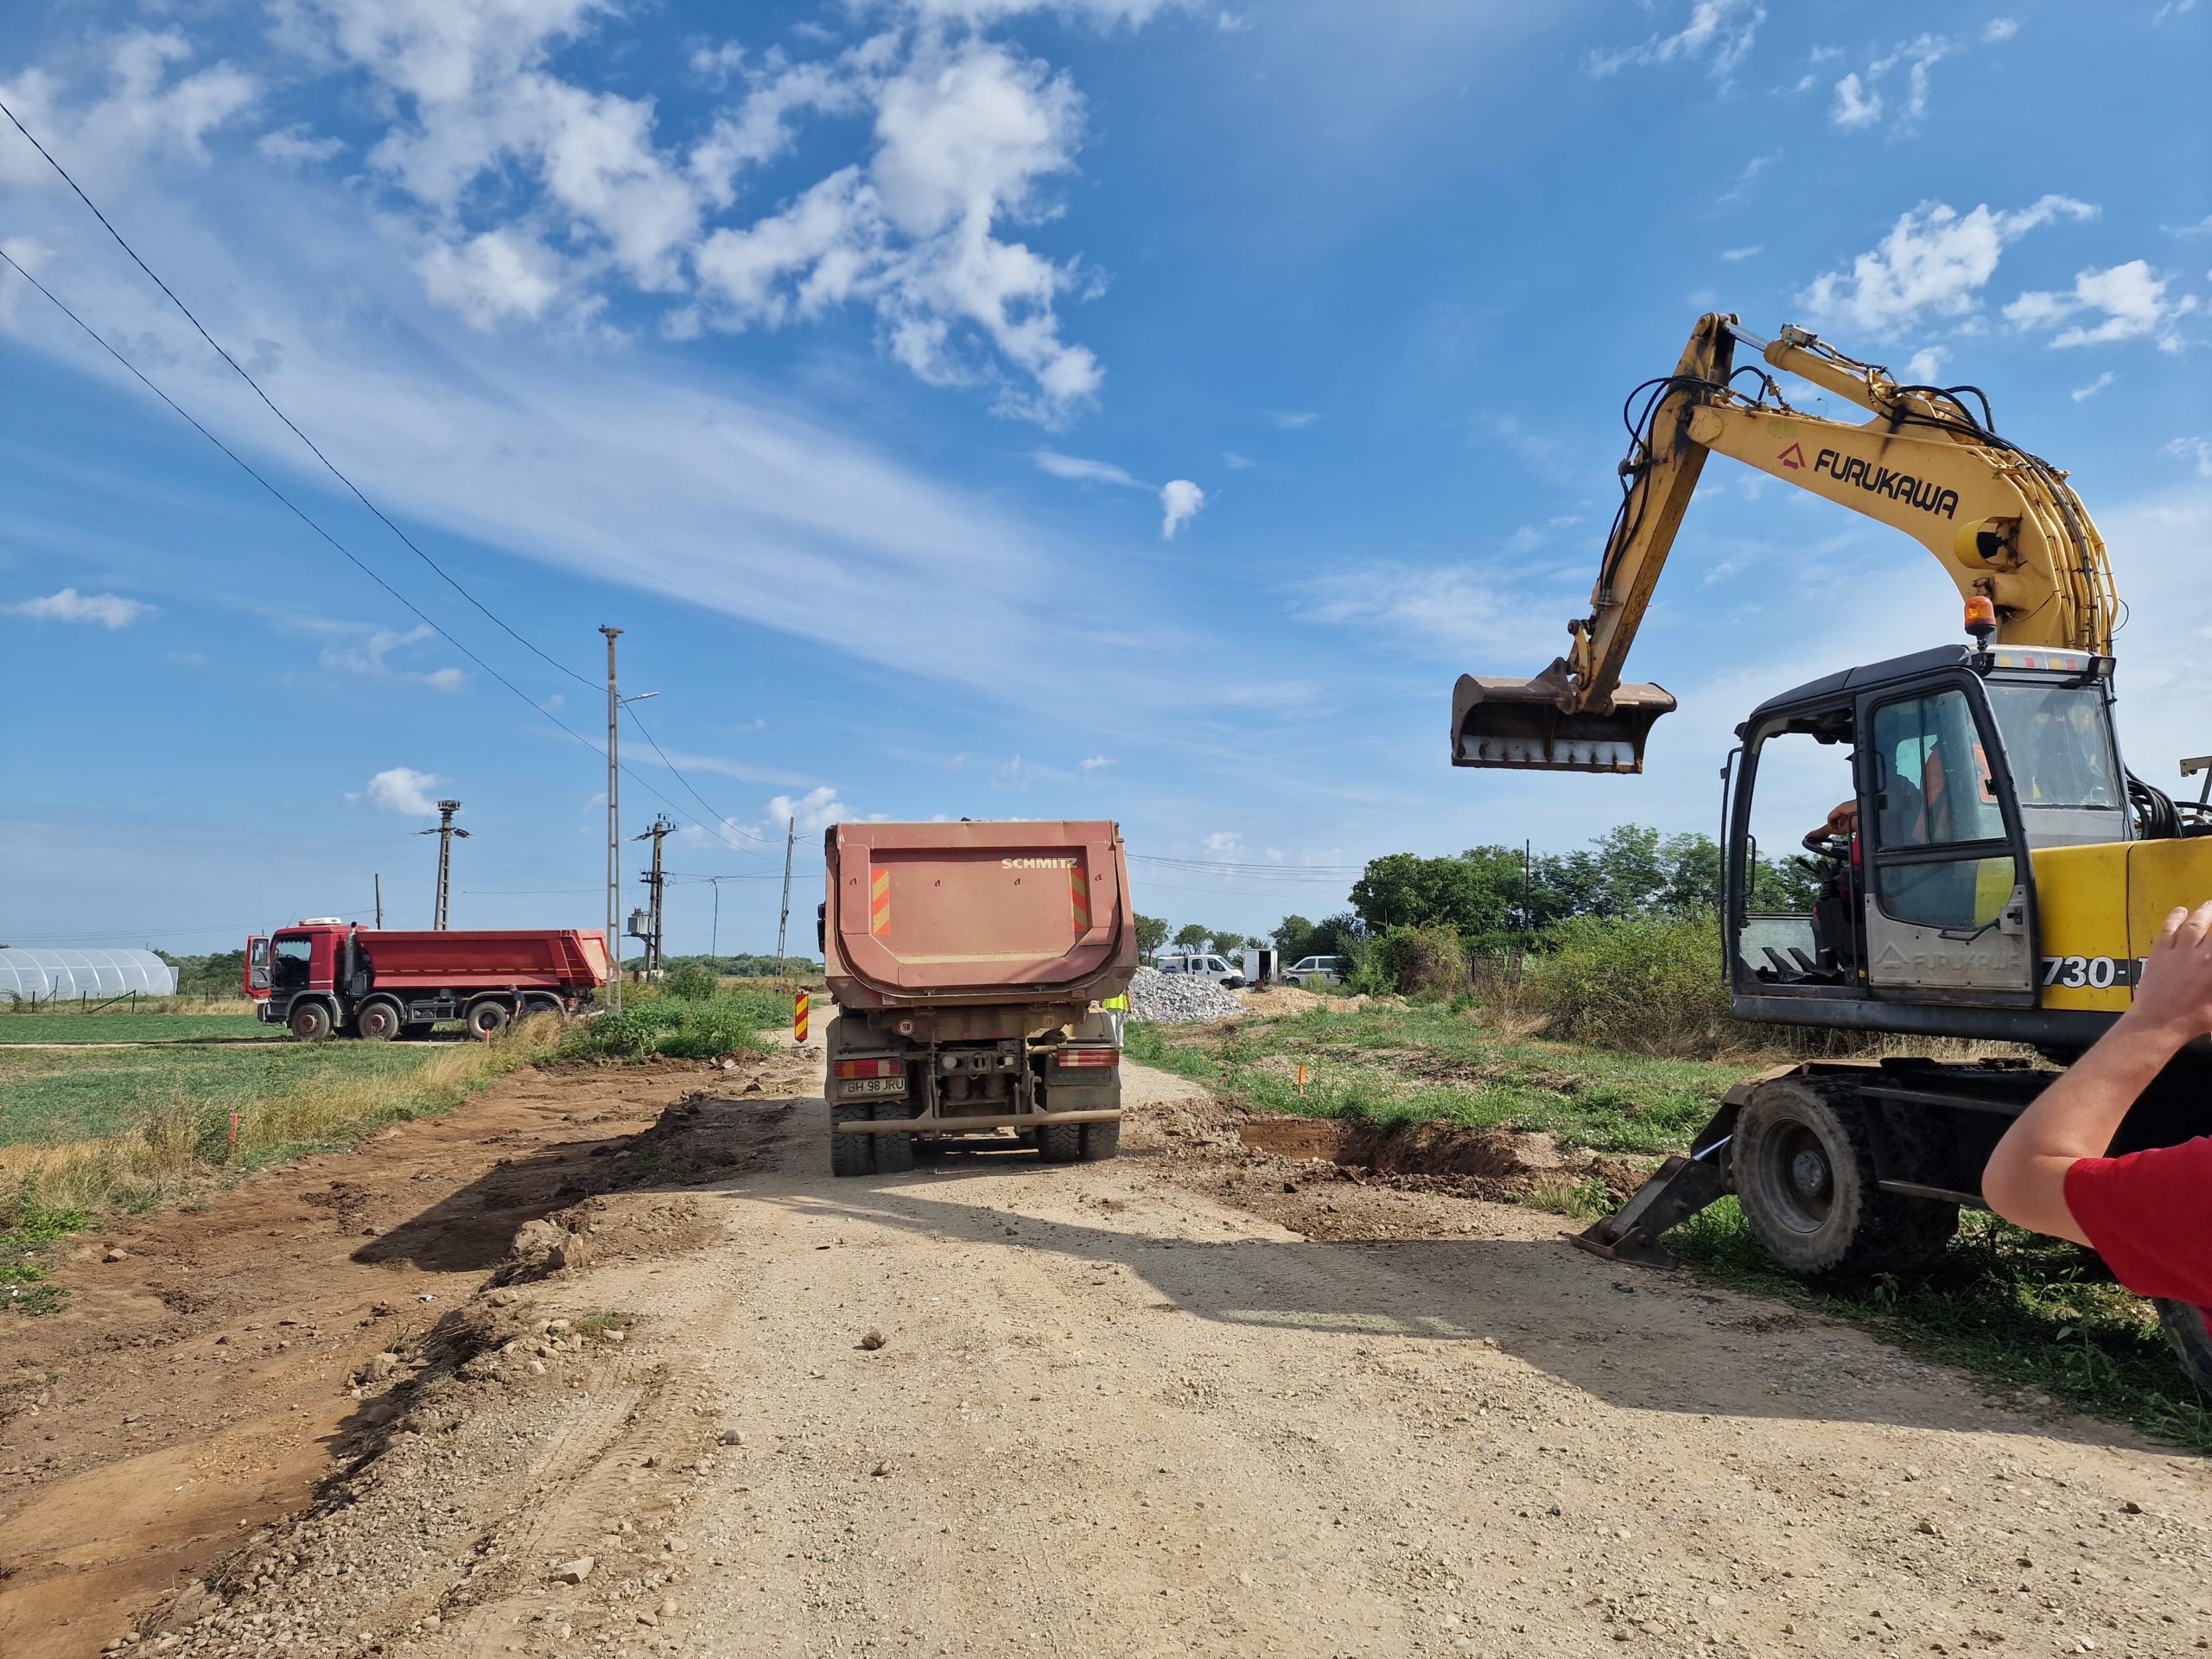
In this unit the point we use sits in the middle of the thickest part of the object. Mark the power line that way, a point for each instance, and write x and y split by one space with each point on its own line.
331 466
721 820
301 514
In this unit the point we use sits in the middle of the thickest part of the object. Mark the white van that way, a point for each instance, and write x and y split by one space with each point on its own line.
1213 968
1330 970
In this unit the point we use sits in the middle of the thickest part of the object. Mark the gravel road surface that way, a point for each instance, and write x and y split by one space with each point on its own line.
1199 1401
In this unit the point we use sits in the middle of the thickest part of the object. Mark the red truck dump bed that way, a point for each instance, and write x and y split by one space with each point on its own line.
937 913
530 957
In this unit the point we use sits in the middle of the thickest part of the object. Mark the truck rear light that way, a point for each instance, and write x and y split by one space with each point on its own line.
1098 1057
845 1069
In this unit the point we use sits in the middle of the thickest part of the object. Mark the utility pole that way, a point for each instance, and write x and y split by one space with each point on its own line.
714 932
380 881
614 826
445 832
790 836
659 830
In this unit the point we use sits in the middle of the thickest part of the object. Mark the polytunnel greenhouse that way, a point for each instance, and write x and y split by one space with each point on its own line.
29 976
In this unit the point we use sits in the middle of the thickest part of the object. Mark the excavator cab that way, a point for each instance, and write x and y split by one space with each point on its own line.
1532 724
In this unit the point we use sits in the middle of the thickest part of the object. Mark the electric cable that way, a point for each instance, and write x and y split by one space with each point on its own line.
331 466
720 820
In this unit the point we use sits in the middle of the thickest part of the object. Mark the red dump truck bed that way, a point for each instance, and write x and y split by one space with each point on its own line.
936 913
545 957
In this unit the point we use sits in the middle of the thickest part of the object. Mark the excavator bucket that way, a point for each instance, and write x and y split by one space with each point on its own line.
1521 724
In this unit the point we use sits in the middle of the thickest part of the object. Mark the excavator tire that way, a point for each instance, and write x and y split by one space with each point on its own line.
1059 1143
851 1154
2192 1342
1804 1168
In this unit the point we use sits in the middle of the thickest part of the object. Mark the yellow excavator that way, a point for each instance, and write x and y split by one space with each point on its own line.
1996 874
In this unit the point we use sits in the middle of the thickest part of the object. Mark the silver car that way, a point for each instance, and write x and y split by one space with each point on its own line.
1330 970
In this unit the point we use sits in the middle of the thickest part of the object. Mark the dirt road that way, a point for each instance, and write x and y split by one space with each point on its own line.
1161 1406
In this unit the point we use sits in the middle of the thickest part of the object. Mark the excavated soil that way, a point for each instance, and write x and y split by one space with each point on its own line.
1210 1398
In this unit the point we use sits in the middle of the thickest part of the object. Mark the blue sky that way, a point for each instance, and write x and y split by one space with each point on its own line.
859 364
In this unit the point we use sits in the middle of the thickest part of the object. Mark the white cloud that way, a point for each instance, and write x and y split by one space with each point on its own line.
492 277
149 110
1924 364
1234 461
1859 101
1085 472
2173 9
1734 254
1451 610
1224 843
1934 262
2195 450
1231 22
1856 104
1179 501
401 789
1096 763
816 810
1740 191
1292 420
2083 394
2131 297
298 146
108 610
2004 29
372 657
1718 31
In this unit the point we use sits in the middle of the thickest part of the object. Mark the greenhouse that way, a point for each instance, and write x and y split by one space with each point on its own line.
82 975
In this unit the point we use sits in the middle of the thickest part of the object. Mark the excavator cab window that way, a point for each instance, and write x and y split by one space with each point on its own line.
1797 870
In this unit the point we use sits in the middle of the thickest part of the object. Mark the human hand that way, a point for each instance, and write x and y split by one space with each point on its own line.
2174 999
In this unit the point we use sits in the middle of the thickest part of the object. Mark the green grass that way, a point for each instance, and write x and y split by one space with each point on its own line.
706 1029
1427 1063
131 1027
2025 1311
50 1096
25 1236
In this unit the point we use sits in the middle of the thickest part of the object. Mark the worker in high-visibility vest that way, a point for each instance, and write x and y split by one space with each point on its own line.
1117 1008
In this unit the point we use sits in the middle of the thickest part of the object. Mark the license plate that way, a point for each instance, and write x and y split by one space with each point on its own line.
873 1086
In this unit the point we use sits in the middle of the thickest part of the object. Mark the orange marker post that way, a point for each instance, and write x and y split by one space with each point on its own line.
1301 1079
798 1018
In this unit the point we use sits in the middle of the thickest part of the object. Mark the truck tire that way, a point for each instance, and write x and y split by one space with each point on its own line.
309 1022
895 1154
2192 1342
1101 1142
488 1017
1059 1143
1804 1171
850 1155
379 1020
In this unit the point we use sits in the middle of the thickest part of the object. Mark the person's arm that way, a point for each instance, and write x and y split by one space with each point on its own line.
2076 1116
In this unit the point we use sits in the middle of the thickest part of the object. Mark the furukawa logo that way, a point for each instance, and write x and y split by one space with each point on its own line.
1793 458
1036 863
1881 480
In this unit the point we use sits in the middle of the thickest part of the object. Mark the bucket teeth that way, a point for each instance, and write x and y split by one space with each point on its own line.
1526 725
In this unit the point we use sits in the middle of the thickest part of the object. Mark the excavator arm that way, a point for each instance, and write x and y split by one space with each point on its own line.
2003 524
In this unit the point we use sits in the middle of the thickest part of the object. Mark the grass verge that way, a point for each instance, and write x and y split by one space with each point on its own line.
190 1121
680 1028
133 1028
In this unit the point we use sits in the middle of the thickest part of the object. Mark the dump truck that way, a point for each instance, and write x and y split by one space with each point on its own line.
973 966
325 977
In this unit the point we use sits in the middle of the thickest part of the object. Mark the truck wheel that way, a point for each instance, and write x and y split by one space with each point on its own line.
1059 1143
1101 1142
379 1021
488 1018
895 1154
2192 1342
310 1022
850 1155
1804 1169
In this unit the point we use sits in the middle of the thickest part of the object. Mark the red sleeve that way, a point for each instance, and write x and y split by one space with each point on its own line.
2149 1215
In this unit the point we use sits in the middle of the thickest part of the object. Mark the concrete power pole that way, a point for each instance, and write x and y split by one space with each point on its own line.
659 831
790 836
380 881
613 828
445 832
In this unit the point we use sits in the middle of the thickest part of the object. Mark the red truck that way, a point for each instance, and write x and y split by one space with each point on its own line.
977 970
326 977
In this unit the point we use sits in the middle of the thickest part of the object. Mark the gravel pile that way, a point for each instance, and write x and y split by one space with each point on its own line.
1181 998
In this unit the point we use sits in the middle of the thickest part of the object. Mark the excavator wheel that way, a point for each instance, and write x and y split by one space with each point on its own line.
851 1154
2192 1342
1804 1168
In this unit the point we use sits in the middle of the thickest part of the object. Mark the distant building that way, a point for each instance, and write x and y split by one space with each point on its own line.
29 975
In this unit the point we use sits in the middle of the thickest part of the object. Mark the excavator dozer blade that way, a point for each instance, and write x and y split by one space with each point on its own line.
1520 725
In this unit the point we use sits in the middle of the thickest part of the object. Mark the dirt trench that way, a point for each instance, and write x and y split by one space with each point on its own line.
1207 1399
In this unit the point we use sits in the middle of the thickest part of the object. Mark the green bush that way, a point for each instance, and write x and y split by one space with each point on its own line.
1648 984
1424 961
691 983
683 1030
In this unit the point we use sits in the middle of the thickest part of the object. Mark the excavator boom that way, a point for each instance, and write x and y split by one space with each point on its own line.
2003 524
